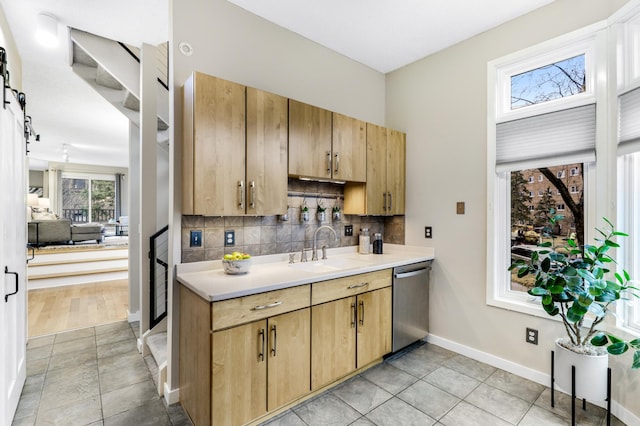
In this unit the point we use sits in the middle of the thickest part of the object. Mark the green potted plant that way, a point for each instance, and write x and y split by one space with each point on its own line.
572 283
335 213
304 213
321 211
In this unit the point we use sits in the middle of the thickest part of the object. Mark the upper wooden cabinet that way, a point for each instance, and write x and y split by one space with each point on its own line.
266 154
349 149
326 145
213 155
396 172
384 191
309 140
234 149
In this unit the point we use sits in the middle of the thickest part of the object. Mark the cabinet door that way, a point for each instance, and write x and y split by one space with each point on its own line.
309 140
333 336
218 146
289 352
374 325
349 149
396 159
376 169
239 374
266 154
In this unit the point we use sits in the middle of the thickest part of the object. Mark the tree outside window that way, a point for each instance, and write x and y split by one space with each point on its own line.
531 217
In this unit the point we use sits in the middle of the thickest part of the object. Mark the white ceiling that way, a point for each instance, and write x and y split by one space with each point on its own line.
382 34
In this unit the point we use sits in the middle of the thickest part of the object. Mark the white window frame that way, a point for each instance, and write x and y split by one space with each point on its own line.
541 178
627 25
629 220
586 40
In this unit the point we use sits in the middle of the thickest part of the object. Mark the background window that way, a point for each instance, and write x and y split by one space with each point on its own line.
87 200
553 81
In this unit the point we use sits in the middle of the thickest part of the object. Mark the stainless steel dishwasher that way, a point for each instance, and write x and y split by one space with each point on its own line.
410 304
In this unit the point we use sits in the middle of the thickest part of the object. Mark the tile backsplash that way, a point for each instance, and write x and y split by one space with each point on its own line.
261 235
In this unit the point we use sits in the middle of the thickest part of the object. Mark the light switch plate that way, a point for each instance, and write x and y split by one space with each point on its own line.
460 207
196 238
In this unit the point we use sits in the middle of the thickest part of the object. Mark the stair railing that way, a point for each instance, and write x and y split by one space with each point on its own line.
159 276
134 56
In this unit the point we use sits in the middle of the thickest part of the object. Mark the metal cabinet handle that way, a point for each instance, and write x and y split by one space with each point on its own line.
274 341
329 162
384 201
6 271
241 194
33 252
337 156
362 312
261 354
353 315
352 286
390 202
252 185
270 305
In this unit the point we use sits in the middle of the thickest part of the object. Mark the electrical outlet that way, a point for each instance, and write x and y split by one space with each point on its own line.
460 207
428 233
196 239
532 336
229 238
348 230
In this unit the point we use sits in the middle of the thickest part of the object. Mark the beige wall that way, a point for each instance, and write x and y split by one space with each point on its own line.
441 103
230 43
13 57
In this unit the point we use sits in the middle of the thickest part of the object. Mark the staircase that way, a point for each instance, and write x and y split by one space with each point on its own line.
113 70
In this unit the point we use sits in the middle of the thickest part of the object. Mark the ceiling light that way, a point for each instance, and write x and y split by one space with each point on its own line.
47 30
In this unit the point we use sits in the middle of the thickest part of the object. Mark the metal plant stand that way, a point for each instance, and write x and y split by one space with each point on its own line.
573 392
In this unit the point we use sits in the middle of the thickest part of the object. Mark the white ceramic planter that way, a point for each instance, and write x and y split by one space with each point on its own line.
591 373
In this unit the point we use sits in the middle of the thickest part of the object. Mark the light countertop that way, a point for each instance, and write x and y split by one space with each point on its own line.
273 272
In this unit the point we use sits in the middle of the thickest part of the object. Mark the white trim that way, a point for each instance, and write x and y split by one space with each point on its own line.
171 396
133 316
88 176
520 370
560 48
591 38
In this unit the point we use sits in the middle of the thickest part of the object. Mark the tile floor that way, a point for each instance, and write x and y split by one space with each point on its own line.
427 385
92 376
95 376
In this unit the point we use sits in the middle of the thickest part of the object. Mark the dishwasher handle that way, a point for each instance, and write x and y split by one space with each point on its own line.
412 273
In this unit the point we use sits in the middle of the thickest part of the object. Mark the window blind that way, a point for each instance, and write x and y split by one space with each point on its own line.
629 122
555 138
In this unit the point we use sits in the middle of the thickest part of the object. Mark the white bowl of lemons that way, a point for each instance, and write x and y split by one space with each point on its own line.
236 263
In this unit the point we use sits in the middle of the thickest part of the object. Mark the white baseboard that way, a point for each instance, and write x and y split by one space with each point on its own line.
520 370
171 396
134 316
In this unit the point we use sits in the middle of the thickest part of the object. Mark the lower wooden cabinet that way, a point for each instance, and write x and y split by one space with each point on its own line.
243 358
260 366
348 334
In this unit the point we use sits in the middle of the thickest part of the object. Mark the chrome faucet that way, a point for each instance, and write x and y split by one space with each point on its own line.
315 242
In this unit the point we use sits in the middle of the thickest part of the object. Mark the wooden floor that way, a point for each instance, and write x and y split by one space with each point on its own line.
56 309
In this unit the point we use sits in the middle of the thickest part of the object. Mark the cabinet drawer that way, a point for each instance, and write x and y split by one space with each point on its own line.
326 291
229 313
